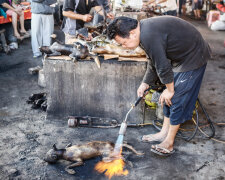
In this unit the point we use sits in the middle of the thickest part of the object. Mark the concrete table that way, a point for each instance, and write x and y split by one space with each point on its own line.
82 89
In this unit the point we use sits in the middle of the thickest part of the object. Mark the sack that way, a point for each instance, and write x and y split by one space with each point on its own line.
218 26
212 16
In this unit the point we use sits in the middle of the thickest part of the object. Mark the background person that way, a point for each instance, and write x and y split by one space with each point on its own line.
14 11
76 13
42 24
197 6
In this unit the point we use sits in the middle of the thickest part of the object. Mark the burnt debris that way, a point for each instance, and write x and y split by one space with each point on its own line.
38 101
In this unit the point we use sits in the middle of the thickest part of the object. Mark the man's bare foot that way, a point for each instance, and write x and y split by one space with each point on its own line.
154 137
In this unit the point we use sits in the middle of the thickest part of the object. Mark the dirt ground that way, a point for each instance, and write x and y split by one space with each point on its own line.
26 135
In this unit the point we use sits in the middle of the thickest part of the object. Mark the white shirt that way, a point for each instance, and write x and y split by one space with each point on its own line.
171 5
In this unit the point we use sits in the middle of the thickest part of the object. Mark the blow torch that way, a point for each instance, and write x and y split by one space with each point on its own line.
123 126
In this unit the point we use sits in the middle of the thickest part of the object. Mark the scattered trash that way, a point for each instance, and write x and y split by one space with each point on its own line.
34 70
222 67
38 101
13 173
93 122
13 45
204 165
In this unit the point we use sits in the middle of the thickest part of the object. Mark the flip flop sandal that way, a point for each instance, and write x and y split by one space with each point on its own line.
152 139
25 32
26 35
165 153
19 37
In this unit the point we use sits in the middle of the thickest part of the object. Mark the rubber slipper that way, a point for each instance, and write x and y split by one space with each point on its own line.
19 37
152 139
25 34
165 153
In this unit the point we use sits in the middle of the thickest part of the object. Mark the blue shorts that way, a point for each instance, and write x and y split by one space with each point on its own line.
186 86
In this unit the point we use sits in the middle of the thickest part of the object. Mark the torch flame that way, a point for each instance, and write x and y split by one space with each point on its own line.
113 168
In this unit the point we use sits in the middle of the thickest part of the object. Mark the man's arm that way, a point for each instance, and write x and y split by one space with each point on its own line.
99 10
156 50
68 11
6 5
163 69
150 77
73 15
155 47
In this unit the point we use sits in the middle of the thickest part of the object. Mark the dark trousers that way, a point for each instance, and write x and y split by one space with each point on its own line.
181 3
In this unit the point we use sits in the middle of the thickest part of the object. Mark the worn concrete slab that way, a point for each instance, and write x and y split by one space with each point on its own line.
85 90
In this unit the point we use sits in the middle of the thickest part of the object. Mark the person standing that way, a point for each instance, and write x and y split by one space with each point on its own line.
178 60
76 13
197 6
42 24
170 7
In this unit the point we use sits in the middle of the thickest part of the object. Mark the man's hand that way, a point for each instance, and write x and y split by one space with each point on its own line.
141 89
166 96
89 38
87 18
110 15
